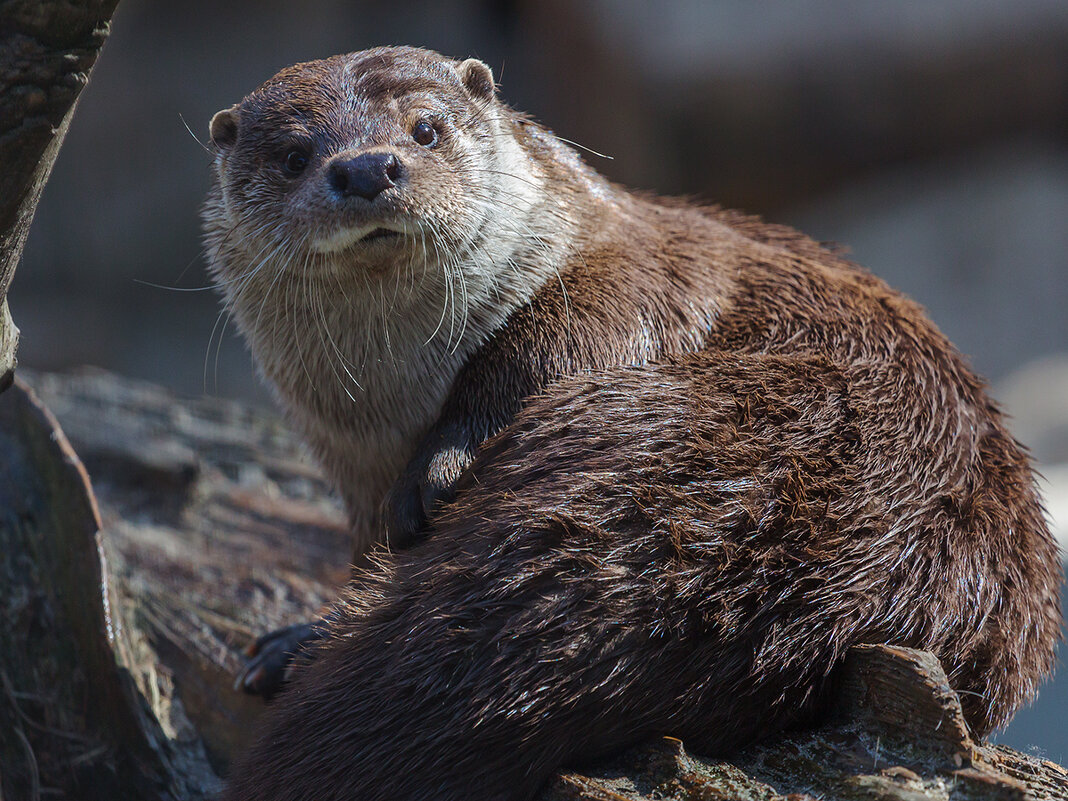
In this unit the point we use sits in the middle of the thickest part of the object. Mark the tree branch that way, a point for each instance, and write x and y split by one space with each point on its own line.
47 50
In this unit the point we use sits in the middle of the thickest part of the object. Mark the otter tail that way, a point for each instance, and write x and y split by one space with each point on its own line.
680 549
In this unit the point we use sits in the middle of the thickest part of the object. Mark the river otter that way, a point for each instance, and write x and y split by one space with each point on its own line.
640 467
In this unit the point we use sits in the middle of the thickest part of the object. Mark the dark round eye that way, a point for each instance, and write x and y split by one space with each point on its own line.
424 134
296 161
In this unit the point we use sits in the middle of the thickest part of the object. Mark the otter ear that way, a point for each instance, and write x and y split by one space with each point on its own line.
223 128
477 78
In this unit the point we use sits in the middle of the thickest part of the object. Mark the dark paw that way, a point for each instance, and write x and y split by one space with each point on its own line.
267 669
426 483
405 518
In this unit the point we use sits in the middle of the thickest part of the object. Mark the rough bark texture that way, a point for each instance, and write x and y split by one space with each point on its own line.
214 526
47 49
69 719
895 732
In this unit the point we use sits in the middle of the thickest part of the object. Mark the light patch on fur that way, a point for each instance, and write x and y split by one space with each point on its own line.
345 238
444 461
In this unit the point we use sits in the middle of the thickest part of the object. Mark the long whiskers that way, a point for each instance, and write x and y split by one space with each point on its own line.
314 300
243 280
503 250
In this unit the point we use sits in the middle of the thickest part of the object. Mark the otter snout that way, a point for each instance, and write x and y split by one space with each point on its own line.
366 175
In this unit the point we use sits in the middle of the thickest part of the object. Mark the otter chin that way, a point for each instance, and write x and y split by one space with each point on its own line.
616 466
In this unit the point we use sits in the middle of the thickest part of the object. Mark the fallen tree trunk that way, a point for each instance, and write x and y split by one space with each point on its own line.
206 523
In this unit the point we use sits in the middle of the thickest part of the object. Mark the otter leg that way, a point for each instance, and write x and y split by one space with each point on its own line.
427 482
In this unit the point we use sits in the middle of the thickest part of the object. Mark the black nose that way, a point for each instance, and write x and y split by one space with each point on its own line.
365 175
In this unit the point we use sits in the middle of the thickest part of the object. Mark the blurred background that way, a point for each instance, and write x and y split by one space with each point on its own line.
930 137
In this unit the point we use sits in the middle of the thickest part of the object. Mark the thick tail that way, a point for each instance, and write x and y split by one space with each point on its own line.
681 549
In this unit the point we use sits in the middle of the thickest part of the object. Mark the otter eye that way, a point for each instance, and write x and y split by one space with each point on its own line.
296 160
424 134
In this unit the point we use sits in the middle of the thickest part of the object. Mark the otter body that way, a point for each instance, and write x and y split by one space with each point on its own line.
643 468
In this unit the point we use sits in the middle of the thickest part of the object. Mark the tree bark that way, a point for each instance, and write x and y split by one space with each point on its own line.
206 523
47 50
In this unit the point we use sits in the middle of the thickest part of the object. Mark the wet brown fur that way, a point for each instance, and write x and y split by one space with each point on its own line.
707 460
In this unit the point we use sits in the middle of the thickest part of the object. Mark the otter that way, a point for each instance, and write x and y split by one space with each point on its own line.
624 466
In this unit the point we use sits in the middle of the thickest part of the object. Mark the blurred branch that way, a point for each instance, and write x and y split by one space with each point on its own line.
770 132
47 50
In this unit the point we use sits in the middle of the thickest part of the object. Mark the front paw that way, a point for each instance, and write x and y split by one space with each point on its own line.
425 485
271 656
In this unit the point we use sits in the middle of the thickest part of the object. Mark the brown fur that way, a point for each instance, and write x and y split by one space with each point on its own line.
680 479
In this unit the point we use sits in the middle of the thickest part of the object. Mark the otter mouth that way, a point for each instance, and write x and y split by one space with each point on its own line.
379 233
357 238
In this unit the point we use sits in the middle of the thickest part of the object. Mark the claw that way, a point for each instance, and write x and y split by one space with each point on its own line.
247 679
270 656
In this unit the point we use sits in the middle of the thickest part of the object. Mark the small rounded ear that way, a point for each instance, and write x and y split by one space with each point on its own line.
477 78
223 128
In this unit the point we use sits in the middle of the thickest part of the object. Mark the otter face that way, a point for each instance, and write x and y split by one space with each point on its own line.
358 163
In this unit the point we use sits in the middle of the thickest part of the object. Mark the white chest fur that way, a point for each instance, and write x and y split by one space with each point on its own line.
364 366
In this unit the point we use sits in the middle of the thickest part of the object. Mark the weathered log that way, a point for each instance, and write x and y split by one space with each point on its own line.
69 720
894 732
47 50
214 525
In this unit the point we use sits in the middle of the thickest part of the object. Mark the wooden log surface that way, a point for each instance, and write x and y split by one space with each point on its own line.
207 523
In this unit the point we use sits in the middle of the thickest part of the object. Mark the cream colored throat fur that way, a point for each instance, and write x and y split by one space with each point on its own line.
363 359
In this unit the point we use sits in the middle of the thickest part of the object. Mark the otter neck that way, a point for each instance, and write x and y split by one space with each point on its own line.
363 362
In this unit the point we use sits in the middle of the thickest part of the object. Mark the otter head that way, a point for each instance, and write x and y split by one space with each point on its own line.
374 217
359 165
